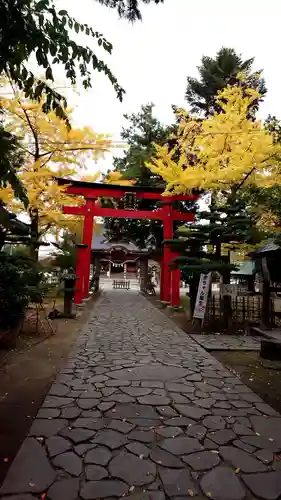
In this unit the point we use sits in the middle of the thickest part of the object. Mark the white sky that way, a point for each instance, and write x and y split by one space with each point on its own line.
152 58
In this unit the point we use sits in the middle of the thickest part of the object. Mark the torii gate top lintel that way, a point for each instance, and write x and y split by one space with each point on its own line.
96 189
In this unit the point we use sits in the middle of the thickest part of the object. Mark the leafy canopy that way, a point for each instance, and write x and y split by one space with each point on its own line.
222 152
11 160
128 9
50 149
36 27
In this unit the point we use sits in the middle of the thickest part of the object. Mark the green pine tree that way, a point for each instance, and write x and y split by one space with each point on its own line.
206 245
215 74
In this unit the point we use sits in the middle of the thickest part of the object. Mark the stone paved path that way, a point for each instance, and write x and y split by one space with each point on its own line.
218 342
142 411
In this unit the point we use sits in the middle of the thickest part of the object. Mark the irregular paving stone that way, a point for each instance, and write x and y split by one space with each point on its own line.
95 472
197 431
214 423
138 449
182 388
97 378
91 414
81 449
107 391
165 459
244 446
110 438
120 426
204 387
154 400
145 422
121 398
70 412
132 469
180 421
148 495
94 424
154 372
59 390
222 437
57 402
47 428
181 445
99 456
19 497
30 471
269 428
177 482
266 486
133 411
191 411
266 456
242 430
222 483
48 413
142 436
66 489
166 411
178 398
202 461
169 432
56 445
77 435
242 460
210 445
86 404
266 409
117 383
204 402
102 489
70 462
261 442
152 384
137 391
104 406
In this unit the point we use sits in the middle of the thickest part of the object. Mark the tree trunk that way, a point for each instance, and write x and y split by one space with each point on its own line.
34 248
227 303
266 309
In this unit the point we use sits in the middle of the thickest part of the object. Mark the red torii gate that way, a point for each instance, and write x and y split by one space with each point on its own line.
170 279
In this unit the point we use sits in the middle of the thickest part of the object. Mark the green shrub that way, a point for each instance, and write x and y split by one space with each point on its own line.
14 295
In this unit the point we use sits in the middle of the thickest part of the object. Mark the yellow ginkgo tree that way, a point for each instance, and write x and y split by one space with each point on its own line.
51 151
222 152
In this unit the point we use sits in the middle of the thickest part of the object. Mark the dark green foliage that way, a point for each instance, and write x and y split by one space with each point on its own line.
64 257
14 294
36 27
11 160
215 74
129 9
142 132
202 245
205 246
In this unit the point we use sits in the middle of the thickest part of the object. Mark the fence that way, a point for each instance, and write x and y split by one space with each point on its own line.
246 310
124 285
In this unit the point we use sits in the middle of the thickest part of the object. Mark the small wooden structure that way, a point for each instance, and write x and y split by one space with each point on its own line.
121 284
